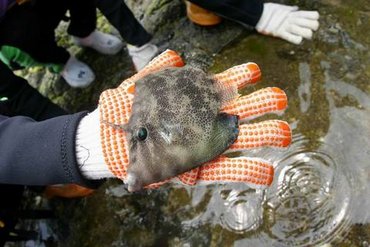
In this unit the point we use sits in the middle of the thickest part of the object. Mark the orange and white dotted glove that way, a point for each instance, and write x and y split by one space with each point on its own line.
105 154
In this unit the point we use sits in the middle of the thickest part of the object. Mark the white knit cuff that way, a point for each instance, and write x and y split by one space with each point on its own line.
88 148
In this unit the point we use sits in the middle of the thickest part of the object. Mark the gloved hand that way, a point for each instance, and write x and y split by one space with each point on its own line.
110 157
287 22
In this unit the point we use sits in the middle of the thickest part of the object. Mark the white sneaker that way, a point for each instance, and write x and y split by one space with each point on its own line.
142 55
102 42
77 73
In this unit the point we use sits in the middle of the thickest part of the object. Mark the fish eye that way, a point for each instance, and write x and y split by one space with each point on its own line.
142 134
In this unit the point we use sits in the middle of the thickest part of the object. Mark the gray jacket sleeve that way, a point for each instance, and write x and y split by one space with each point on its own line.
40 153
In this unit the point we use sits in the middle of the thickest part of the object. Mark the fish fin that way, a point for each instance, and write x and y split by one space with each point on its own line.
116 126
133 183
225 132
227 91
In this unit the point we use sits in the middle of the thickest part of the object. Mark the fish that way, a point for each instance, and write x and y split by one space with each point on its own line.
176 124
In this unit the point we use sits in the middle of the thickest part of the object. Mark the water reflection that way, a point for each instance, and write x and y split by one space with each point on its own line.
309 201
243 211
304 89
321 188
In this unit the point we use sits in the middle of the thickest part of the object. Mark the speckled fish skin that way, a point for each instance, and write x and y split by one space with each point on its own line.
180 109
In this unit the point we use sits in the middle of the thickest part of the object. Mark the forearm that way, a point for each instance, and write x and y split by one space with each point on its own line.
121 17
39 153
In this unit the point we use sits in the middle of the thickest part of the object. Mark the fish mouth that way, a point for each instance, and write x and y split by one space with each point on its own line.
133 183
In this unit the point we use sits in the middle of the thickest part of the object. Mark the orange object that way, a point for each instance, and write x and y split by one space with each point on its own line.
201 16
241 75
269 133
258 103
67 191
241 169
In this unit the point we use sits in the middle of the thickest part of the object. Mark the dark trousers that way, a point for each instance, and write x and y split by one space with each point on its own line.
121 17
245 12
30 27
23 99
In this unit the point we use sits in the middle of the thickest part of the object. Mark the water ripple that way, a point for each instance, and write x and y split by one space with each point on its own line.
308 203
243 211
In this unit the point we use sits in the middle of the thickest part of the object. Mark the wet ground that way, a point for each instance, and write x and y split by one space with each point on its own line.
321 190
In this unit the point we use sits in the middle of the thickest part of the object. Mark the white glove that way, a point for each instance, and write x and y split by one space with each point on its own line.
287 22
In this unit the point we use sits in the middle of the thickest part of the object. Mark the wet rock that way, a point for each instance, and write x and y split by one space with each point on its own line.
117 191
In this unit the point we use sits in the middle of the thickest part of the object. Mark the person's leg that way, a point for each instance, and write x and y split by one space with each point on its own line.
82 16
121 17
28 29
130 29
29 102
83 28
24 99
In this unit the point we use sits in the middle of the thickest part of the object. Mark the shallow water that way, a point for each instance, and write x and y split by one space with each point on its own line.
322 183
321 189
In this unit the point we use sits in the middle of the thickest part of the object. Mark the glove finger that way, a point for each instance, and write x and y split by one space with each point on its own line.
275 7
289 8
270 133
187 178
255 172
164 60
307 23
313 15
301 31
292 38
240 76
258 103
